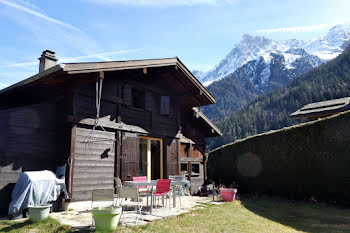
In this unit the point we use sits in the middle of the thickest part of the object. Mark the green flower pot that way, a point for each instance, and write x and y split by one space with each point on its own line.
39 212
106 218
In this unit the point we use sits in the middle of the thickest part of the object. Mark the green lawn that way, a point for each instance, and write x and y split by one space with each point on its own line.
256 215
49 225
248 215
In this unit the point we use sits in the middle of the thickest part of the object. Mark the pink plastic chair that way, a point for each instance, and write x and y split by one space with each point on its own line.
162 190
142 189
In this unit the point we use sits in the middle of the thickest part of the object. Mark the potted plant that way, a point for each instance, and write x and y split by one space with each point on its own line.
106 218
228 194
38 212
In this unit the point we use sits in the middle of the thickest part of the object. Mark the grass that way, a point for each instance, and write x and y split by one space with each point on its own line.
249 215
255 215
49 225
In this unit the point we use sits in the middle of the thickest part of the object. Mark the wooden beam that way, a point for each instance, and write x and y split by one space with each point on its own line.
144 70
106 124
101 74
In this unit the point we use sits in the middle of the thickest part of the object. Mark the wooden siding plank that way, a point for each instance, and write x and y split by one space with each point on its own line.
92 170
127 97
149 101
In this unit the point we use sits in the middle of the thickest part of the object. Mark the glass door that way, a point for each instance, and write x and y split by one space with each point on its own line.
143 157
151 158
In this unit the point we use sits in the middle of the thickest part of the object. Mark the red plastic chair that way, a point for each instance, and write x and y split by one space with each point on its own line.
162 190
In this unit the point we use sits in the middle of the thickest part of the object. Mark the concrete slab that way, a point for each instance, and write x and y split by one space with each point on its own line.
82 218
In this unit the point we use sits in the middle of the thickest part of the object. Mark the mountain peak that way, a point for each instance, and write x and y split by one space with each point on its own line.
251 48
341 27
250 40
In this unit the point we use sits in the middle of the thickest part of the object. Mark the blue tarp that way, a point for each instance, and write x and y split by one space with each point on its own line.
44 184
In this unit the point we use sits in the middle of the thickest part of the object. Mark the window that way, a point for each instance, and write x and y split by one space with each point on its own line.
164 105
195 169
184 167
138 98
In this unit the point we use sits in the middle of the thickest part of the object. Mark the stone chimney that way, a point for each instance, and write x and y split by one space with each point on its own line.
47 60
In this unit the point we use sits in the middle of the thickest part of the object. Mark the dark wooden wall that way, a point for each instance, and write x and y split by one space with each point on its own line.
193 153
117 107
30 139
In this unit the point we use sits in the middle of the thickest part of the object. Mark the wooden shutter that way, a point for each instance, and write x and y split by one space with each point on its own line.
172 157
130 156
127 95
164 105
149 101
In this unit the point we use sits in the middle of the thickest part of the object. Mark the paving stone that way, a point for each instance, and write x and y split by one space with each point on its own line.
82 219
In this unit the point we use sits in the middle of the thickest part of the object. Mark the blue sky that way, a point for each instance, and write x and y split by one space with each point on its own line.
199 32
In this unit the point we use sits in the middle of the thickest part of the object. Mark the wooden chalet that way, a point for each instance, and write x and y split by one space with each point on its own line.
149 124
322 109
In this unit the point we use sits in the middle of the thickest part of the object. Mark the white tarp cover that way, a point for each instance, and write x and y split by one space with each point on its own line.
44 184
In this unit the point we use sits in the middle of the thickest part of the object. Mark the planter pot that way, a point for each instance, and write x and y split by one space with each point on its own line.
39 212
228 194
106 218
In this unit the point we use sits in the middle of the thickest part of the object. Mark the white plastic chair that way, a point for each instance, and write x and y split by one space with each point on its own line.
178 191
131 193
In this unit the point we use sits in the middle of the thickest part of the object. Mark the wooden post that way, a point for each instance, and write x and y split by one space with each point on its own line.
71 161
213 190
149 160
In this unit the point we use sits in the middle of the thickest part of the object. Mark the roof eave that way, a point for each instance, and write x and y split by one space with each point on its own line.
89 67
215 129
298 115
33 78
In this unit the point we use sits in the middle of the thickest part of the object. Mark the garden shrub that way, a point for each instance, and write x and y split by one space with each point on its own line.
306 161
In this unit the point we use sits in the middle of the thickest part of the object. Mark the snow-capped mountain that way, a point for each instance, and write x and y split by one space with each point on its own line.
293 54
330 45
277 70
199 74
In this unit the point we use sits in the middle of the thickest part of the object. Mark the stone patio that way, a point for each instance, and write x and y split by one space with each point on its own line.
82 219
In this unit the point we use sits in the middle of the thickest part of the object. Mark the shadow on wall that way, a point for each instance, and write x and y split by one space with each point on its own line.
5 194
30 140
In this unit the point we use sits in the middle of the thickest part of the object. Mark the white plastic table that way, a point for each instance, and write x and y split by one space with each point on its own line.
152 183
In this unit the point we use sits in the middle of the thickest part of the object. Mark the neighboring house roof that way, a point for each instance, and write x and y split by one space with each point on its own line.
90 67
323 108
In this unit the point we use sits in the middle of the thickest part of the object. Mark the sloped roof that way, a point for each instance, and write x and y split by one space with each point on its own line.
90 67
199 114
323 108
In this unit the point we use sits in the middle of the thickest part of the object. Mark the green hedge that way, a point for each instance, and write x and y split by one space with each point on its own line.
310 160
